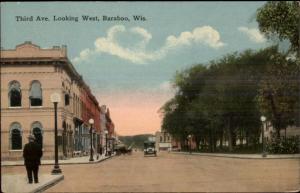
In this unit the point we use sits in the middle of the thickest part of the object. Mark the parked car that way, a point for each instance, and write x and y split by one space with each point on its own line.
149 148
122 149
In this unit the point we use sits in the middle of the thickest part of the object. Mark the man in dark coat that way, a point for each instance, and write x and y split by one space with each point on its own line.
32 154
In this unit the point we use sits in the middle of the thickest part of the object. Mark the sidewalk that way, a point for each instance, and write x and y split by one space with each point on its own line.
74 160
18 183
244 156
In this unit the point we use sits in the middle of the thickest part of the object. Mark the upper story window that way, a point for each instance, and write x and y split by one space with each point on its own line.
16 136
14 94
35 94
67 99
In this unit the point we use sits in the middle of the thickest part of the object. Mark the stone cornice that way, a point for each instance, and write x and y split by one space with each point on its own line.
30 54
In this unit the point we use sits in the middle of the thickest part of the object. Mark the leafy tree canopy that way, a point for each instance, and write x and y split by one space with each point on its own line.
282 19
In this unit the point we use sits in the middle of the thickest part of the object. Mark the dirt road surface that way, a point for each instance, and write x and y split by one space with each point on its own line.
177 173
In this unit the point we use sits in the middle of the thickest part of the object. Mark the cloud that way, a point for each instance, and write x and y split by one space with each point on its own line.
253 34
144 33
110 45
83 55
167 86
205 35
138 54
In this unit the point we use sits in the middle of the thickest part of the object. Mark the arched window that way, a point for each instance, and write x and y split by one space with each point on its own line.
14 94
35 94
67 99
37 131
16 136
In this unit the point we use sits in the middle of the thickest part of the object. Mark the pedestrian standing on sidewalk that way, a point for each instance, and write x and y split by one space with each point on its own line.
32 154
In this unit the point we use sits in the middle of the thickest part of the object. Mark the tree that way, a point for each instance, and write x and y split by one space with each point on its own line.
281 18
279 92
218 99
176 119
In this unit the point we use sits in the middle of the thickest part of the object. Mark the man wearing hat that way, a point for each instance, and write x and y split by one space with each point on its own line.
32 154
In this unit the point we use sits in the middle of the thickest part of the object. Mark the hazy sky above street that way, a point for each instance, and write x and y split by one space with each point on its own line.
129 65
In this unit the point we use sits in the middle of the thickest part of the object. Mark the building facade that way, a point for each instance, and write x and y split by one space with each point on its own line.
108 136
29 76
110 126
163 141
103 128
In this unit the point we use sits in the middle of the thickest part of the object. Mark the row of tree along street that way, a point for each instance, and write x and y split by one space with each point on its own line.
225 98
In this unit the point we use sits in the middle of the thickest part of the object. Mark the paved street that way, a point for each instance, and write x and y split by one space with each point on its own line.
175 172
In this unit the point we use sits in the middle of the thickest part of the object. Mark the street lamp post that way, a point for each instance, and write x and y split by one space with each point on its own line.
263 119
106 132
55 99
101 145
190 143
113 145
91 122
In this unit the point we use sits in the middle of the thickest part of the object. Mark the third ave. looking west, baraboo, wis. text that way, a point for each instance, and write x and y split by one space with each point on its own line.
84 18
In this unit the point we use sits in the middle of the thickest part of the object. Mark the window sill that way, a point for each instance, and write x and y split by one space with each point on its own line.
36 107
19 107
15 150
20 150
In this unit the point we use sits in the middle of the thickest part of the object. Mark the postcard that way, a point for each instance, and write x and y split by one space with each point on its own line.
150 96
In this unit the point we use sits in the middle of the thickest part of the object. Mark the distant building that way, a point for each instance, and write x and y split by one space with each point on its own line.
108 135
163 141
103 128
291 131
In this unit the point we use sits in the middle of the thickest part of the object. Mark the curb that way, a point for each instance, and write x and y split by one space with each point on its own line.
60 163
47 185
237 157
94 162
294 191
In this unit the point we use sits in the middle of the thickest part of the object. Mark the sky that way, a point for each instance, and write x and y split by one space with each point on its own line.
130 64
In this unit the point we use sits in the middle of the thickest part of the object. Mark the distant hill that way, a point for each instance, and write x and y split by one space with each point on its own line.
136 140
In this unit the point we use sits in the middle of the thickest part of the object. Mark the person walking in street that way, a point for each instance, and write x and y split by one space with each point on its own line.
32 154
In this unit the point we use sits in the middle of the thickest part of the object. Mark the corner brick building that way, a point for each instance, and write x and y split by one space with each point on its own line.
29 75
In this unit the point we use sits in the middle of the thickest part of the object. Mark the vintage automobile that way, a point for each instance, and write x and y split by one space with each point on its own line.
122 149
149 148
